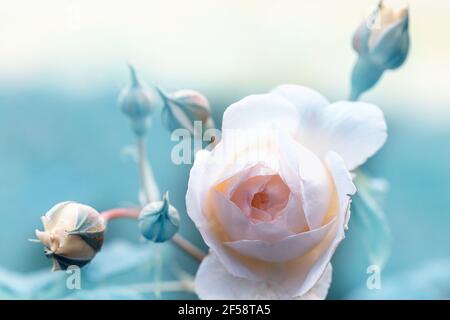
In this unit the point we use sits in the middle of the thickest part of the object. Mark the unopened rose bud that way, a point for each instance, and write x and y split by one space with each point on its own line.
137 102
382 43
73 234
159 221
182 108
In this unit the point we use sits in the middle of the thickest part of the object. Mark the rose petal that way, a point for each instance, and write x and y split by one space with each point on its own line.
293 215
320 290
200 180
261 196
306 175
342 180
228 186
222 163
75 247
259 112
287 249
213 282
309 102
237 226
316 261
355 130
344 188
59 216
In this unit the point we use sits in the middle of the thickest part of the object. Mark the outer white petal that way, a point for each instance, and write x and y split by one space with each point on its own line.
213 282
355 130
260 112
320 289
307 100
200 180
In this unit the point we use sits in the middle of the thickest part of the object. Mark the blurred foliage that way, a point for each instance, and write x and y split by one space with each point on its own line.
369 218
122 270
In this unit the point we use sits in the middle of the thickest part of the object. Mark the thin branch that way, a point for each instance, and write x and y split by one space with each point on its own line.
177 239
187 246
120 213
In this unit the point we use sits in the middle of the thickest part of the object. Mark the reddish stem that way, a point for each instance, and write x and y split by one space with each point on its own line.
178 240
117 213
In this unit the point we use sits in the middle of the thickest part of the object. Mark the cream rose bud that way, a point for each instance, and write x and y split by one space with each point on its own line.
182 108
73 234
272 199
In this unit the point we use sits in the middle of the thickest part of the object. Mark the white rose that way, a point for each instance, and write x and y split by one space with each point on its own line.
273 206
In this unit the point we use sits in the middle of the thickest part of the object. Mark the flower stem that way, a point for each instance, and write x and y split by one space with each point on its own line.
187 246
353 96
178 240
164 286
151 193
142 163
122 213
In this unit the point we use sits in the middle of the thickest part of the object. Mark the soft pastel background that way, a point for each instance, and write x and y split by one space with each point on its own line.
62 64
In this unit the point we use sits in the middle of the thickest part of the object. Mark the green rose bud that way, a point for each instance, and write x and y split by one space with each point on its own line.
382 42
159 221
137 102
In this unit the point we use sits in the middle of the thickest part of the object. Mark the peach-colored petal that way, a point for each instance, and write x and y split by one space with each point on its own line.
237 226
52 219
287 249
306 175
261 198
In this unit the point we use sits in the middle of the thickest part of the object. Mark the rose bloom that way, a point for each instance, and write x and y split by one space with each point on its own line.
272 199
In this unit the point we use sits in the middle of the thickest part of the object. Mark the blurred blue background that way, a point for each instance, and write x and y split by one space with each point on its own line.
62 135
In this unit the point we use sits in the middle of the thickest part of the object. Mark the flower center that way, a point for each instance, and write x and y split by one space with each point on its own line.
260 201
261 198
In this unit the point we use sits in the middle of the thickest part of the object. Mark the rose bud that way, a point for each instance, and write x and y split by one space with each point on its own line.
159 221
182 108
137 102
382 43
73 234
